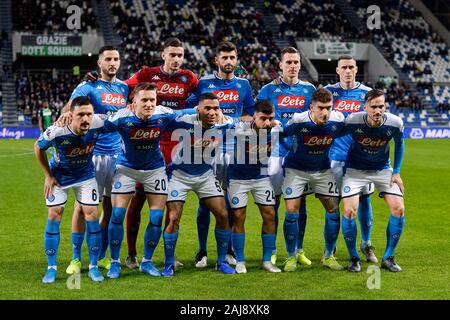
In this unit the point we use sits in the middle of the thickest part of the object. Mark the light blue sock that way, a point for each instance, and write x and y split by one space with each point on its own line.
115 231
350 233
104 235
153 233
94 241
393 233
268 242
365 217
170 243
290 228
203 220
51 241
302 217
238 240
331 232
222 238
77 244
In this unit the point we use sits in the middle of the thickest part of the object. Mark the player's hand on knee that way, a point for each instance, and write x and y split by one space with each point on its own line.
397 180
64 119
49 184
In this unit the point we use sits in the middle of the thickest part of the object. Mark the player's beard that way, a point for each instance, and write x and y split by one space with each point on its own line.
228 68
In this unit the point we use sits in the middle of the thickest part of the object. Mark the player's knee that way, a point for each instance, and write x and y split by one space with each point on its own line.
350 212
292 207
156 217
398 210
54 214
90 213
118 215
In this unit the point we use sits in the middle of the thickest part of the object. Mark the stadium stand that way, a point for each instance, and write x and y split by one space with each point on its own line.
1 106
408 41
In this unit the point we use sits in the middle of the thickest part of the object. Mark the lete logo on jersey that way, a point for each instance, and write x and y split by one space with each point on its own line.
113 99
80 151
372 142
318 141
296 102
227 96
171 89
347 105
145 134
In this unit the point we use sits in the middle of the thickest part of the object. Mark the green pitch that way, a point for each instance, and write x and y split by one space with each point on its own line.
423 251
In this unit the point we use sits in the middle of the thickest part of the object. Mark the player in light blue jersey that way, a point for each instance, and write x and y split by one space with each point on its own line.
192 170
348 98
71 167
368 162
289 95
249 149
108 95
236 101
307 163
141 161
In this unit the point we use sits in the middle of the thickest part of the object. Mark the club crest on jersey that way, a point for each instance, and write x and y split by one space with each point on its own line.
295 102
145 134
347 105
113 99
95 135
318 141
183 79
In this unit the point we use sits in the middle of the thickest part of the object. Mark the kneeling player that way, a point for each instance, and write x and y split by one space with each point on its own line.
308 163
252 144
141 162
71 167
369 162
192 172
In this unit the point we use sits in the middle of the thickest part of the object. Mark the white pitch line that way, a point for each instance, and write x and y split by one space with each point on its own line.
15 154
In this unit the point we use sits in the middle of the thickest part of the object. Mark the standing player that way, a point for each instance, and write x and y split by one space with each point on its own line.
308 164
45 116
250 147
236 100
192 170
71 167
142 162
289 95
108 95
174 86
348 97
368 162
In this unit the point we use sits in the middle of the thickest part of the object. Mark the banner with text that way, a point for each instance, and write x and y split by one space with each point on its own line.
51 46
19 133
427 133
322 48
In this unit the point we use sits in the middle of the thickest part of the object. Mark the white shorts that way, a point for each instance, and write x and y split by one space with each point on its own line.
261 189
321 183
154 181
104 173
86 193
205 186
368 189
355 180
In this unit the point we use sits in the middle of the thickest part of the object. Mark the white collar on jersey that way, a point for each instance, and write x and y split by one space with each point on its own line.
357 84
217 76
289 85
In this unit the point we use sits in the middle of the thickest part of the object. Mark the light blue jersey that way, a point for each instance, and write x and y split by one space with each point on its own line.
235 95
71 162
347 101
370 147
312 142
287 100
107 98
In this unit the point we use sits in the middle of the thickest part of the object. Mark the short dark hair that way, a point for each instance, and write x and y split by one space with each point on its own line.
208 96
289 50
345 57
144 86
372 94
322 95
172 42
79 102
225 46
107 48
264 106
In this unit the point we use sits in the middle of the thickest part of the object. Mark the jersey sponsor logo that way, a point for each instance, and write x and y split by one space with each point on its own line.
80 151
228 110
113 99
318 141
296 102
145 134
227 96
347 105
259 148
171 89
372 142
205 142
